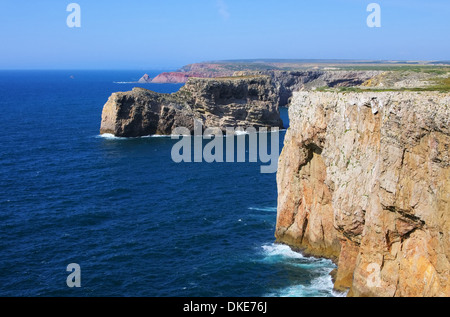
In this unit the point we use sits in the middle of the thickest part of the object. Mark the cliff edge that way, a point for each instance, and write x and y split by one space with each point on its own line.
364 179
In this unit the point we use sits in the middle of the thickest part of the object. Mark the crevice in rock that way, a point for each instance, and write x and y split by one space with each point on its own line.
310 148
388 241
350 237
305 225
404 213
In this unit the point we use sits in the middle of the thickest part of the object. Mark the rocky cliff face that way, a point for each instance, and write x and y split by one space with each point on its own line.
217 103
285 82
170 78
288 82
364 179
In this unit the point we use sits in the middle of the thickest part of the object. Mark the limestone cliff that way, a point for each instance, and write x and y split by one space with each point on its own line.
364 179
285 82
288 82
218 103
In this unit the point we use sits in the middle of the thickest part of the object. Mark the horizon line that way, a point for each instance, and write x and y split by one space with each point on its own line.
343 61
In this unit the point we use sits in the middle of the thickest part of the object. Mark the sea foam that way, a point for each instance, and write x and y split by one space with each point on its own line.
266 209
319 286
280 250
110 136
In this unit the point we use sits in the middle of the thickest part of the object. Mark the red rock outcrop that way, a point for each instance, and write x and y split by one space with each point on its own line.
171 78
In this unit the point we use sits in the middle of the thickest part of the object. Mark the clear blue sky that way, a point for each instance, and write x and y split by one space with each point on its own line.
149 34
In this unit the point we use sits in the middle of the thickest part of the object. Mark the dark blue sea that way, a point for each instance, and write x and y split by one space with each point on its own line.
137 223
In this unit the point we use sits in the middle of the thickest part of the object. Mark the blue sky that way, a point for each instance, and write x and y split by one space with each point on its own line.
150 34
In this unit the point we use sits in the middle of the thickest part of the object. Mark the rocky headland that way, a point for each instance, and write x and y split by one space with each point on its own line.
229 68
235 102
248 98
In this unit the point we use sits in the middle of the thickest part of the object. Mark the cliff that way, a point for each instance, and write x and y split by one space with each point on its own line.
217 103
288 82
170 78
364 179
200 70
285 82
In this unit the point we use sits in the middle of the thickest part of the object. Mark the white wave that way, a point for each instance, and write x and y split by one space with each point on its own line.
267 209
281 250
156 136
113 137
315 265
319 264
110 136
126 82
241 132
321 286
339 294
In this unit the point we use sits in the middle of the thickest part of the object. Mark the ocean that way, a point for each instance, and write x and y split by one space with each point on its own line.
137 223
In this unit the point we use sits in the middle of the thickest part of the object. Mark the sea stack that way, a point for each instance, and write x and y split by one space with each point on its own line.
145 79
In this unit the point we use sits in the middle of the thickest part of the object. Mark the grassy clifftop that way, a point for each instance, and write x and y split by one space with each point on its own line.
426 78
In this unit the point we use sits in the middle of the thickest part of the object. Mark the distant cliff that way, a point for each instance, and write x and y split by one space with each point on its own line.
285 82
145 79
171 78
248 98
219 103
364 179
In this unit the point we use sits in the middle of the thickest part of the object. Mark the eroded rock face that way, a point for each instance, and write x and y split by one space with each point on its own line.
170 78
364 178
228 102
288 82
